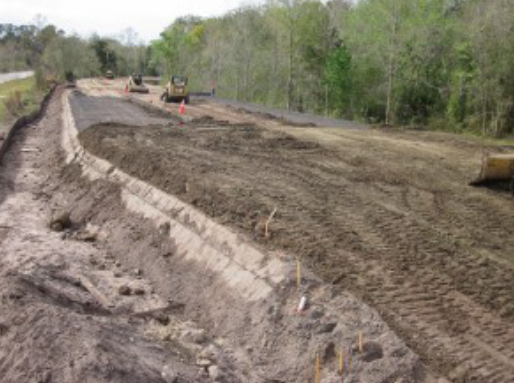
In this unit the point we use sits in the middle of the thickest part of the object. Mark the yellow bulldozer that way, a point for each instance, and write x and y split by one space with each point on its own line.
135 84
496 169
176 90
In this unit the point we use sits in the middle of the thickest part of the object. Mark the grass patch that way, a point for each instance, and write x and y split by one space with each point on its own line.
18 97
484 139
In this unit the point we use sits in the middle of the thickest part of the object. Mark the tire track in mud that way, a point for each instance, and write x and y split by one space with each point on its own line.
419 299
400 280
415 248
427 263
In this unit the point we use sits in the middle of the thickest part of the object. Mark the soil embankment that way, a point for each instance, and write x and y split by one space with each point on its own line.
386 215
91 290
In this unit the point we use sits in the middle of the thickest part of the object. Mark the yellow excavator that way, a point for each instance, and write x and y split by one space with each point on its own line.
135 84
496 169
176 90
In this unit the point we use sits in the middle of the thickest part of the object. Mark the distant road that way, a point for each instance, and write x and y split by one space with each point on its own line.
5 77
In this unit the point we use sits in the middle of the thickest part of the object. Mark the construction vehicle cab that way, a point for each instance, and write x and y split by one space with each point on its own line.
135 84
176 90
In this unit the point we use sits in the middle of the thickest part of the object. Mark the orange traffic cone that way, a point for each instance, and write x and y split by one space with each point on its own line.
182 108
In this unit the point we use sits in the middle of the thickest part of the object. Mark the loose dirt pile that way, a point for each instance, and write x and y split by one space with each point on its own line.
384 215
62 318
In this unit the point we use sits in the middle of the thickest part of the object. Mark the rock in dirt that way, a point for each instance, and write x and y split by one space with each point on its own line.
60 221
326 327
164 229
169 375
203 362
210 353
161 318
85 236
3 329
124 290
197 336
214 373
371 351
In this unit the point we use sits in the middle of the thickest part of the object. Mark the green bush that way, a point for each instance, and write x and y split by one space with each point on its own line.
14 103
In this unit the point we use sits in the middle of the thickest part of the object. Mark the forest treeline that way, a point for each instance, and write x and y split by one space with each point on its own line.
446 64
52 53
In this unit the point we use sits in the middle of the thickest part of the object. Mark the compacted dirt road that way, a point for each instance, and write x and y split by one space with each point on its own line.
387 215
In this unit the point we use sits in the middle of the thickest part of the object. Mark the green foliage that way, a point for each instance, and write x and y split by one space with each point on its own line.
105 54
52 54
18 97
338 76
462 79
442 63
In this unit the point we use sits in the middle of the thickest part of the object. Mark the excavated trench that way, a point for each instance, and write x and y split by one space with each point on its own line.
139 286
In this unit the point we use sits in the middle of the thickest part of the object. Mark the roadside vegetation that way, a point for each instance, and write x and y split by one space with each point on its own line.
447 64
19 97
443 64
52 53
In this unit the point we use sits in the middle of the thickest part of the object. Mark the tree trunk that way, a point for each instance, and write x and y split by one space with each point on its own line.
290 79
391 66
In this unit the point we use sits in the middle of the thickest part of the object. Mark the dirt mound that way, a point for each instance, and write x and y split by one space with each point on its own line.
61 317
384 218
191 180
50 331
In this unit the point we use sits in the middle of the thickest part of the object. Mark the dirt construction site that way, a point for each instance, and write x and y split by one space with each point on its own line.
229 244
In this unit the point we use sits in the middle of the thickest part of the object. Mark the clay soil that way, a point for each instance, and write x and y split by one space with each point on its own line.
388 215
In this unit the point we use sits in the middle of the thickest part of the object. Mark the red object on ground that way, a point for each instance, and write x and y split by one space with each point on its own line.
182 108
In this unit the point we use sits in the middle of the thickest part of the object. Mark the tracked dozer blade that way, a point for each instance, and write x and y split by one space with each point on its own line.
496 168
139 89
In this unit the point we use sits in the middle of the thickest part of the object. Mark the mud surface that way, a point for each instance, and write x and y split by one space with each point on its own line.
388 216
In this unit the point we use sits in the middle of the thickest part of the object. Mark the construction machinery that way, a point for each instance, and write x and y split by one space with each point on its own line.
176 90
70 79
109 75
135 84
496 169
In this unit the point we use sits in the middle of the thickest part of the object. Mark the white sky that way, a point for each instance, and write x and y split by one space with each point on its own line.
110 17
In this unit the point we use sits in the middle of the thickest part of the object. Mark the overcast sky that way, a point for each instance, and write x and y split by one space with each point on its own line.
110 17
